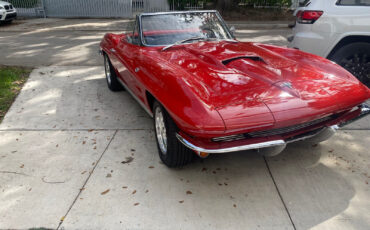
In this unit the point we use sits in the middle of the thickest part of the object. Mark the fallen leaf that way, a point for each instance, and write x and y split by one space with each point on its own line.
128 160
30 189
134 192
57 146
105 192
204 169
234 205
133 150
42 73
331 150
151 167
124 187
94 147
218 169
61 219
14 151
146 191
226 184
214 172
219 184
136 204
188 192
84 142
181 201
83 172
109 175
22 166
315 145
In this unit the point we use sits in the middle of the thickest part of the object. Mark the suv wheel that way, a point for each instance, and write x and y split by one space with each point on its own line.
355 58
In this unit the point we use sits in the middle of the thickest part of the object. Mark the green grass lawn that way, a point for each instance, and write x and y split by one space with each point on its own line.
11 82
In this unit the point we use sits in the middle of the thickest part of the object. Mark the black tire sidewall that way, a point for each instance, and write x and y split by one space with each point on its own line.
349 50
114 85
164 157
105 70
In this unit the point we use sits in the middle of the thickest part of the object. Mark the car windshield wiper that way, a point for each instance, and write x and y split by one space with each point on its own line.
184 41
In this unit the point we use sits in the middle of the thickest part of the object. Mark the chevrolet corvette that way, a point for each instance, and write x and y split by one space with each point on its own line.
209 93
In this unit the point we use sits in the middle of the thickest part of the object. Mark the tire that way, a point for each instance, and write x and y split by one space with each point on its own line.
171 151
355 58
111 76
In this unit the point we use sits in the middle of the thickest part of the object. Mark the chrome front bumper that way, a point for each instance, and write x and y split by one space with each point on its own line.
314 136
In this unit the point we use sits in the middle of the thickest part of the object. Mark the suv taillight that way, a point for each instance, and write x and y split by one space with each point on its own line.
308 16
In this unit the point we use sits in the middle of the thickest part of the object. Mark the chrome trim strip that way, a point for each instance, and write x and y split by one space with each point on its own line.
365 111
231 149
136 98
331 130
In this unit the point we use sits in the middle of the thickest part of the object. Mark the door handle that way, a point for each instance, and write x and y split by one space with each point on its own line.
113 50
137 69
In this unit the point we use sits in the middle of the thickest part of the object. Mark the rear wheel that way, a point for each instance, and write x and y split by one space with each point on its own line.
171 151
110 75
355 58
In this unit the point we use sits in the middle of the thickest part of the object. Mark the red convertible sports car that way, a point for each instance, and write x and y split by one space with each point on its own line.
210 93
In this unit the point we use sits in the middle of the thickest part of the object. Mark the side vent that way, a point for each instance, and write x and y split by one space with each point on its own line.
254 58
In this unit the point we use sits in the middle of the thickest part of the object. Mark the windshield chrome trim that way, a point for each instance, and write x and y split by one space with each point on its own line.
226 28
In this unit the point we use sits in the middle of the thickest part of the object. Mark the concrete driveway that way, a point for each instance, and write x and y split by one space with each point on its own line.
74 155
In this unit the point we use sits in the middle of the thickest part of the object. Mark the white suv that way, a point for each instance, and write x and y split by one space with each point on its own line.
7 12
338 30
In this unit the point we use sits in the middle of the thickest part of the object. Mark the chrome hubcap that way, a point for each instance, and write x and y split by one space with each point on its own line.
107 70
160 129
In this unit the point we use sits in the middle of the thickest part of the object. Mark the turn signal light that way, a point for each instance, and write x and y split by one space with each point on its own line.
308 16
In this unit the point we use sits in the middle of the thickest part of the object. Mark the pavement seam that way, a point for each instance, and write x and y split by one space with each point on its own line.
87 179
278 191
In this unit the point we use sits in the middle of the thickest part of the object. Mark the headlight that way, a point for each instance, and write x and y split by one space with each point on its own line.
1 7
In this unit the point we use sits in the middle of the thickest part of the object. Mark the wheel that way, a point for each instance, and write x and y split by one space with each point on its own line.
355 58
171 151
110 75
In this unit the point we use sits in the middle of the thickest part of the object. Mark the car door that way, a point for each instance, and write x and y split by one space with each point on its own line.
127 54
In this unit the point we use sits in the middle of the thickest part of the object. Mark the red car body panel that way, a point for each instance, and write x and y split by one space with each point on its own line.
214 89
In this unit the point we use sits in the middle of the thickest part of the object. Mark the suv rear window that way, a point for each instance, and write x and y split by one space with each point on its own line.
353 2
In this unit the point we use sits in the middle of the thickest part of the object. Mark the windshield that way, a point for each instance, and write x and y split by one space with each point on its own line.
167 29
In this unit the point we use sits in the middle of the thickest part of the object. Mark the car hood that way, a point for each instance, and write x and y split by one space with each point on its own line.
2 3
257 85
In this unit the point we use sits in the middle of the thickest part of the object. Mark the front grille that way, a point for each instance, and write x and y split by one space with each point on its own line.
10 16
271 132
289 129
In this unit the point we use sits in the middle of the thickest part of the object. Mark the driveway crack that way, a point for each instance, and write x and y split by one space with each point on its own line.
87 179
278 191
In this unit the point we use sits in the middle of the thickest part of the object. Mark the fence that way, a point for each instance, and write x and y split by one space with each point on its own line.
121 8
29 8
